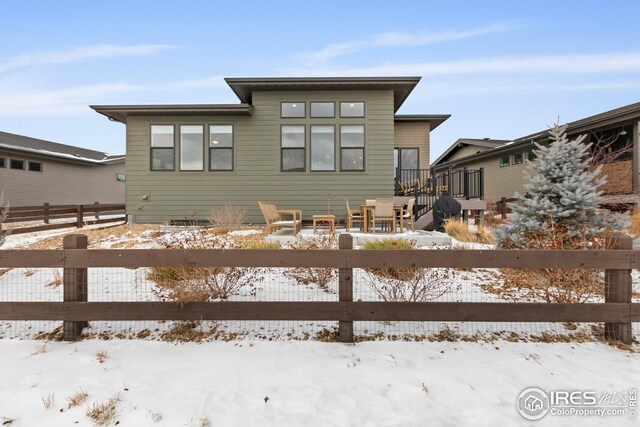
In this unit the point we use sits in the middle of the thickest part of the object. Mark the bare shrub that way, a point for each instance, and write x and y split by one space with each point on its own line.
407 284
189 284
101 356
229 217
77 398
104 413
310 275
459 230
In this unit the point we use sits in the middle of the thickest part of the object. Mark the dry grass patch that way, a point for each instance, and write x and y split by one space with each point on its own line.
77 398
28 272
634 226
459 230
228 217
96 235
102 355
104 413
40 350
57 279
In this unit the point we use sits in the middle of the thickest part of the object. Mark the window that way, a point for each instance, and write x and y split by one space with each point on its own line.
322 109
352 109
16 164
504 161
323 148
293 148
406 158
162 148
221 147
191 147
352 147
292 109
531 156
3 162
517 159
120 177
35 167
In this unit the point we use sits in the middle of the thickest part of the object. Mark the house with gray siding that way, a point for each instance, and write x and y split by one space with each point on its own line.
34 171
505 162
304 143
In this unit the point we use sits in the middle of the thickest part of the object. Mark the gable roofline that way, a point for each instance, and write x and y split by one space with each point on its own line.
244 87
484 142
597 121
120 113
44 148
434 120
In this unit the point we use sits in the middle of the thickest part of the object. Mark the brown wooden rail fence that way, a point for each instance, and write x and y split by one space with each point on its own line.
46 213
617 311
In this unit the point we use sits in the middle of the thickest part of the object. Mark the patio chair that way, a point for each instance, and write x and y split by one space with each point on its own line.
409 216
384 212
273 217
354 215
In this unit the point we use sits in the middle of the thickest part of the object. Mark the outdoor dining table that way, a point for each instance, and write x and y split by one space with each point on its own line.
397 209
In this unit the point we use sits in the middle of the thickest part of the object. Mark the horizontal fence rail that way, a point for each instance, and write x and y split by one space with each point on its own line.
617 311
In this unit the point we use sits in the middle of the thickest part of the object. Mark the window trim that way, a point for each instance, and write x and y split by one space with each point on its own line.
304 103
364 145
232 148
151 148
24 164
37 163
203 152
311 148
508 163
311 116
304 157
513 159
364 109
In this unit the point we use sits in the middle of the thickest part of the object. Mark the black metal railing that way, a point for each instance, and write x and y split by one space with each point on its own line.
426 186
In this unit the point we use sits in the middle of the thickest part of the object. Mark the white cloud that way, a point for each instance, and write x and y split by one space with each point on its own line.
395 39
85 53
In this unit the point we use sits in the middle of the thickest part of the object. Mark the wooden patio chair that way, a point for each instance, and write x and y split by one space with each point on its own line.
384 212
273 217
409 216
354 215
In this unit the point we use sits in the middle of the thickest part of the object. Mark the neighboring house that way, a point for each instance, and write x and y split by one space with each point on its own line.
505 163
295 141
34 172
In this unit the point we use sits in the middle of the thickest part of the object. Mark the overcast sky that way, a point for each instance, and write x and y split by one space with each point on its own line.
503 69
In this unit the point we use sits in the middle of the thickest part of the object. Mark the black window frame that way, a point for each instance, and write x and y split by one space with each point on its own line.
322 102
531 156
399 149
172 148
304 149
202 145
311 147
232 148
502 164
40 168
364 109
3 163
513 158
304 108
363 148
24 164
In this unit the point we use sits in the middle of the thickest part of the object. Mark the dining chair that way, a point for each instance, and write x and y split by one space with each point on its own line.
384 212
354 215
409 215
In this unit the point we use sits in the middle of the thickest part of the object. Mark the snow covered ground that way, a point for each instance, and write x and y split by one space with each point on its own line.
252 382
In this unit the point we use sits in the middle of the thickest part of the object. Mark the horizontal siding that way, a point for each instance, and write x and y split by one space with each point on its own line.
414 135
257 175
61 183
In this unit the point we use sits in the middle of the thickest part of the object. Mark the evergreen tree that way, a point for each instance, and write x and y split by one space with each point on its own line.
562 197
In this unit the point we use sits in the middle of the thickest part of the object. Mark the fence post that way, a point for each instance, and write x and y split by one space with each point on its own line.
46 213
503 208
617 288
79 216
97 214
345 290
75 286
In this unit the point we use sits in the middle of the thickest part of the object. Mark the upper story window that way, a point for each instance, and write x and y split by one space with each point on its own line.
516 159
191 147
322 109
221 147
292 110
504 161
352 109
292 147
35 166
352 147
162 148
16 164
323 148
531 156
